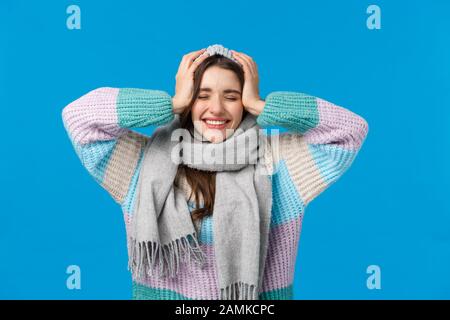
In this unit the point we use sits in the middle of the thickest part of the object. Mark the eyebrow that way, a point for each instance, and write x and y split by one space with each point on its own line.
224 91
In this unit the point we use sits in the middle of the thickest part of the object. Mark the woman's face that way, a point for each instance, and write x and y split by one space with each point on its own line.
218 107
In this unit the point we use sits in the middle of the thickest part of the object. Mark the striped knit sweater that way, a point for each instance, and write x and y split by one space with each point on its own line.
320 142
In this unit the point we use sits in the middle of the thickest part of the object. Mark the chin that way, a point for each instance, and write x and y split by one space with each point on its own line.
214 136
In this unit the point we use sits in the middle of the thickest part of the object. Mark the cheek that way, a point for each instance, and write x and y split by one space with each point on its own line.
236 112
196 112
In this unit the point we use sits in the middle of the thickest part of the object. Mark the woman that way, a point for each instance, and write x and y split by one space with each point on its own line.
240 222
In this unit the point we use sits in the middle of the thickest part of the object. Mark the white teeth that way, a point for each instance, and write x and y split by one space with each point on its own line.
214 122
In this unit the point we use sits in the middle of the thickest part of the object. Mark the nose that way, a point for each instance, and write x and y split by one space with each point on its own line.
216 106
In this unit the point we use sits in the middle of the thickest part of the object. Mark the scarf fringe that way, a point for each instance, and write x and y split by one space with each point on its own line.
147 257
239 291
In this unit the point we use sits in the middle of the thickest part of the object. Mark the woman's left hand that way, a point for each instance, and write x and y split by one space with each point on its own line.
250 95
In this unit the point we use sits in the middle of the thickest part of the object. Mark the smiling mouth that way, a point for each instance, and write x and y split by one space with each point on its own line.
216 124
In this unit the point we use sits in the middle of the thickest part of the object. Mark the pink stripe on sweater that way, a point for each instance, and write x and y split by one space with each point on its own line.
191 281
339 126
283 245
200 283
93 117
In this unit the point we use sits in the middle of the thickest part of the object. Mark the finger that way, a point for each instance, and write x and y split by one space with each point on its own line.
192 54
247 59
197 62
250 61
189 58
245 63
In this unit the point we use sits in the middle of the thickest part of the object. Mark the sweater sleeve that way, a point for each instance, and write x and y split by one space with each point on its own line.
99 126
320 144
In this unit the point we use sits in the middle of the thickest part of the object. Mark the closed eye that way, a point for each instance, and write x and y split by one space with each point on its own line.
228 98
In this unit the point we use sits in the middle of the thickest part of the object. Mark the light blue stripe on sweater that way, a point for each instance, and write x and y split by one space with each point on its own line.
332 161
206 233
206 228
95 157
287 204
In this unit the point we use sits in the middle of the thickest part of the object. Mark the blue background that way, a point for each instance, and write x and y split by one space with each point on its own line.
390 209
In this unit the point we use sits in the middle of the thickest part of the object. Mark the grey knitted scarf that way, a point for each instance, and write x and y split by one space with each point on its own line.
163 234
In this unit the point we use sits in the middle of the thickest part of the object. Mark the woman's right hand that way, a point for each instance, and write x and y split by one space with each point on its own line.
185 79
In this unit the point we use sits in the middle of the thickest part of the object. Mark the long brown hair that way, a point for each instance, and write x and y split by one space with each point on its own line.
203 183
